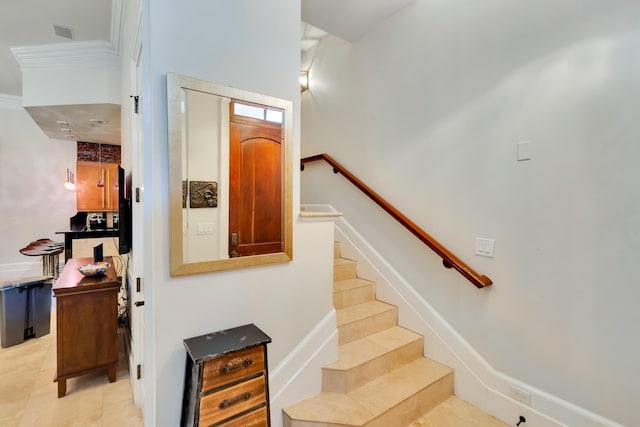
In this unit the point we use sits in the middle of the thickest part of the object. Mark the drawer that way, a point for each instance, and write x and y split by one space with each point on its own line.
257 418
230 401
233 367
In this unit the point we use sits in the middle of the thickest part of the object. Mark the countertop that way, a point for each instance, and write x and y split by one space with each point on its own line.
84 230
71 280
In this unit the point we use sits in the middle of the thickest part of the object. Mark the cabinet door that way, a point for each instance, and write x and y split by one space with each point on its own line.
89 197
111 186
87 334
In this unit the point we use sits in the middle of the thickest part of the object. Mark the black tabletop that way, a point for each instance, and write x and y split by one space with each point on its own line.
215 344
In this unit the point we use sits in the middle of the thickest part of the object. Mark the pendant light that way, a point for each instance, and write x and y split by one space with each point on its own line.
99 123
100 182
70 183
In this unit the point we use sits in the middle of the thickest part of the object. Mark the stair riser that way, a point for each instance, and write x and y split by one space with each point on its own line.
416 405
344 271
369 325
287 422
310 424
340 381
354 296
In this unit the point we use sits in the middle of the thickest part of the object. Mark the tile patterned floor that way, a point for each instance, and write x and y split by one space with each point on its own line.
29 397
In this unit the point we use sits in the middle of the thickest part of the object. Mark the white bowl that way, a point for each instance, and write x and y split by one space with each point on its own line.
95 269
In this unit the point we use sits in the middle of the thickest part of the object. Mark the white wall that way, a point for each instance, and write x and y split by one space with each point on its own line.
33 201
252 45
428 109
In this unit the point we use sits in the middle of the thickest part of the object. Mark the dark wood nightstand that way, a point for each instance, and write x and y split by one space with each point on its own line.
226 379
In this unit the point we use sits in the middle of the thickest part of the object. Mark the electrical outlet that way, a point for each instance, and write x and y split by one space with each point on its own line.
484 247
521 395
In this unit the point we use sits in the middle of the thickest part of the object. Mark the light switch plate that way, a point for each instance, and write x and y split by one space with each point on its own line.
484 247
524 151
205 228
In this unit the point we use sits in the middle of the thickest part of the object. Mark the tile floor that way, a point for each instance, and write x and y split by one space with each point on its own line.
29 397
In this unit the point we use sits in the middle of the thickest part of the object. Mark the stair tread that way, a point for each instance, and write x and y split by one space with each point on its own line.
370 347
348 284
330 408
372 399
338 261
387 391
455 412
362 311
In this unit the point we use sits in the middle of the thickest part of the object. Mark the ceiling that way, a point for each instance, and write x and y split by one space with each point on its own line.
32 22
349 19
54 25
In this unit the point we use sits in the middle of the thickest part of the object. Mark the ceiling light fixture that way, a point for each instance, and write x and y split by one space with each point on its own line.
70 183
99 123
304 80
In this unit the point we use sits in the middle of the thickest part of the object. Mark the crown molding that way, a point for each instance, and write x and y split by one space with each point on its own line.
63 55
10 102
137 45
117 24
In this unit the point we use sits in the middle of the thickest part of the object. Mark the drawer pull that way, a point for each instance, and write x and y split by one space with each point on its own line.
232 366
232 401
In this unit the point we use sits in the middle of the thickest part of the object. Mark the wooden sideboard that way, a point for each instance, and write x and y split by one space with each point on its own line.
226 379
86 322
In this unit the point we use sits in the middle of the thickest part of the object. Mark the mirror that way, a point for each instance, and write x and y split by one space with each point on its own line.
230 177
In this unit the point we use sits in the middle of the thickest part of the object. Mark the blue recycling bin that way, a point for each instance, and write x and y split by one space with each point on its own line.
25 309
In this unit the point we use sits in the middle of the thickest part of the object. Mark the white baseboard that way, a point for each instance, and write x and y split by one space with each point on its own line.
475 380
299 375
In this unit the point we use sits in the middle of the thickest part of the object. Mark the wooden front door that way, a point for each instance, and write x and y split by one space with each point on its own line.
255 199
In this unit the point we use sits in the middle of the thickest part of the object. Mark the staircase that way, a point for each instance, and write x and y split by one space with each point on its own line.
381 378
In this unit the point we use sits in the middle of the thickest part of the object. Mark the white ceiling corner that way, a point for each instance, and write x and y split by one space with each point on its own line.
349 19
310 35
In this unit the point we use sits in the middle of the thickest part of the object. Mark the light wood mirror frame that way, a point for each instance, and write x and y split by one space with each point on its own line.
177 85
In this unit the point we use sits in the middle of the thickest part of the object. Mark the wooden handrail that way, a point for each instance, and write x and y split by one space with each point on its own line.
449 260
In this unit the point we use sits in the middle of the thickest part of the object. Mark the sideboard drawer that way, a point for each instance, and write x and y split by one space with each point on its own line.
257 418
233 367
230 401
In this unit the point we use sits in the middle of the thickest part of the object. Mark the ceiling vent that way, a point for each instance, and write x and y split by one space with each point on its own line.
65 32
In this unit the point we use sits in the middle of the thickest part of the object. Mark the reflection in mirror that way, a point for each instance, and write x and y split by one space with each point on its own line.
229 177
